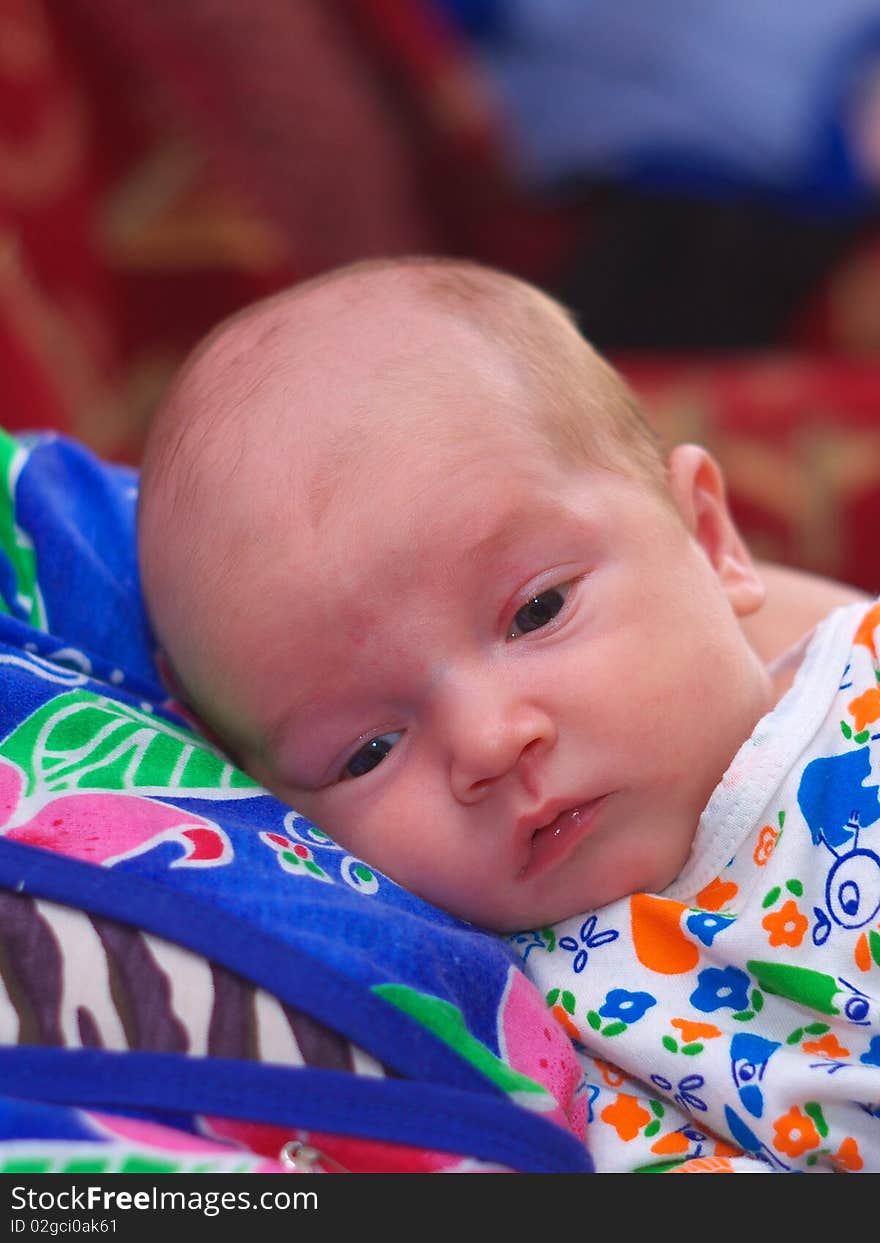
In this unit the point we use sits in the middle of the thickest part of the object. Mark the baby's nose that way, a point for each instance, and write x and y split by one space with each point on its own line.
493 735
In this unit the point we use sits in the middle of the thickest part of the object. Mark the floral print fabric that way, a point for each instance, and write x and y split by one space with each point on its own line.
733 1021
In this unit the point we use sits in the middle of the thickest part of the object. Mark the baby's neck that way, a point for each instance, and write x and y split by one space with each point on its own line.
783 670
795 603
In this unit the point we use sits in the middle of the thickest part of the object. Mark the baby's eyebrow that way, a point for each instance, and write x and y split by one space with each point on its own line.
297 726
508 530
310 730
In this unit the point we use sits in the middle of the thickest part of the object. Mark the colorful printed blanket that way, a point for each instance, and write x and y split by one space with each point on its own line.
193 976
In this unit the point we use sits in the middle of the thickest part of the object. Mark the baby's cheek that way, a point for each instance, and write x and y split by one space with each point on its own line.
358 824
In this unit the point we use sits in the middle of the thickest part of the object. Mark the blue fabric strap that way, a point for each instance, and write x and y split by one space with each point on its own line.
391 1110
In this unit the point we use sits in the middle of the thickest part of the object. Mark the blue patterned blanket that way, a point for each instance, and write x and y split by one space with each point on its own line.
193 975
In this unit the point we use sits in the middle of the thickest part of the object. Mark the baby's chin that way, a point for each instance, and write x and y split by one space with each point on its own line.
521 920
646 876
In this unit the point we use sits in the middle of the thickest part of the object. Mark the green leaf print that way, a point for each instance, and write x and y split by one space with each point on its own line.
123 1163
814 1110
14 542
82 741
662 1167
137 1164
26 1165
564 997
810 988
446 1021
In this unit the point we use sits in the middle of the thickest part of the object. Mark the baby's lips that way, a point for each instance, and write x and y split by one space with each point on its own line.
551 841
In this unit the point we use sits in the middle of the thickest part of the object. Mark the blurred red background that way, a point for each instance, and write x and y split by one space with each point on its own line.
161 165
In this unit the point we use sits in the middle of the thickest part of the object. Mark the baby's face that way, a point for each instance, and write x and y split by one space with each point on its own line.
507 683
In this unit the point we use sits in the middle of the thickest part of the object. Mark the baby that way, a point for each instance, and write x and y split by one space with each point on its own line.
415 558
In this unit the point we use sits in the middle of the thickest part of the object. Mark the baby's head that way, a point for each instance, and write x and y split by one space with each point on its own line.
413 555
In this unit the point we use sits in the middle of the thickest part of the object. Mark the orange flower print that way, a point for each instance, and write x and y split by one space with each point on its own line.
612 1075
717 894
705 1165
862 953
691 1031
867 626
795 1133
848 1156
676 1143
671 1145
766 845
829 1046
626 1115
565 1022
865 708
786 926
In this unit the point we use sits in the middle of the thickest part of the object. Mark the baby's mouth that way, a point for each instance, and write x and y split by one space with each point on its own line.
551 842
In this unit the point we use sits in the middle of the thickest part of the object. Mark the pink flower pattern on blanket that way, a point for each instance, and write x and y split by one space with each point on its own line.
534 1044
107 826
154 1139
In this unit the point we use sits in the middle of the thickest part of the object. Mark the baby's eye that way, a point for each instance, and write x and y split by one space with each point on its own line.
369 755
539 611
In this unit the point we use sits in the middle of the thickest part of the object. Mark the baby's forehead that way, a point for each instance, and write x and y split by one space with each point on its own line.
332 397
330 392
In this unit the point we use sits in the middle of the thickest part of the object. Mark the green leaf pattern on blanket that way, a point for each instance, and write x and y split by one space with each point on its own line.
51 1158
446 1022
83 741
14 543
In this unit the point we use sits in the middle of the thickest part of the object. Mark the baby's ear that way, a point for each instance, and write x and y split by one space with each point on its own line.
697 485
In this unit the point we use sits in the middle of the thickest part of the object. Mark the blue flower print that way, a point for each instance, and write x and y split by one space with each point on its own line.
872 1057
626 1006
719 987
590 940
705 925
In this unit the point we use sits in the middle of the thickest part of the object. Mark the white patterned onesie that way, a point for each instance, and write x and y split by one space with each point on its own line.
733 1021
